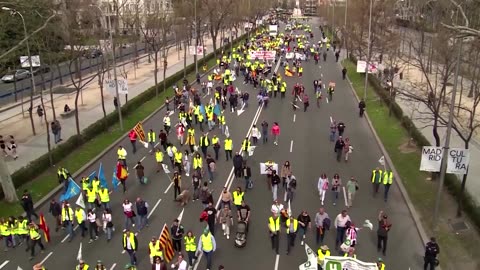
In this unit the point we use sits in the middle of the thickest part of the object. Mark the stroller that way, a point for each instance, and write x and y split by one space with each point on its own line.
241 235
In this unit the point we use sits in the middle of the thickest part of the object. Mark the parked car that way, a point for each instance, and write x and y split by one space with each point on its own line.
41 69
93 53
16 75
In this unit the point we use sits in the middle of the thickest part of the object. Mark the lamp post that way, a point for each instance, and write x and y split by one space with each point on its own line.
196 36
368 50
32 76
110 36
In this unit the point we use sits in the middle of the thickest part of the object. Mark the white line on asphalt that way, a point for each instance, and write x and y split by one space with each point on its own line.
113 266
321 75
345 196
46 258
168 188
154 207
143 158
66 237
324 86
291 146
123 251
230 178
4 263
277 260
294 117
331 119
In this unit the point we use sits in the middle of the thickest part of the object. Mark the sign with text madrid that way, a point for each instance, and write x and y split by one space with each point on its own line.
431 159
347 263
458 160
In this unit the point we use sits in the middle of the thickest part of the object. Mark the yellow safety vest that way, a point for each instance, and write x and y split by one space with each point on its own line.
245 145
79 215
321 256
66 212
151 136
178 157
85 267
159 156
4 230
131 238
274 225
166 121
190 243
215 140
62 172
200 118
95 185
388 178
155 249
196 110
228 144
204 141
238 197
382 266
104 195
34 235
295 225
221 119
91 195
207 243
354 255
374 175
122 153
22 228
197 162
85 183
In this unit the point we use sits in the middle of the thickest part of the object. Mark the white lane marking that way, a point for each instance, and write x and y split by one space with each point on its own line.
46 258
291 146
327 100
168 188
294 117
230 178
4 263
143 158
113 266
66 237
277 260
123 251
321 75
331 119
154 207
345 196
324 86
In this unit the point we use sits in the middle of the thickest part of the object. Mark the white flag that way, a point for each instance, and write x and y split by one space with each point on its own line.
80 202
180 217
165 168
145 144
368 224
79 255
382 160
251 149
227 133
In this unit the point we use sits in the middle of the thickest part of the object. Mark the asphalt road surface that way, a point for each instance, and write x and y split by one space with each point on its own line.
304 141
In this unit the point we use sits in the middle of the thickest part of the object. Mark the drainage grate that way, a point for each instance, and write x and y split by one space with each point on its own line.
459 226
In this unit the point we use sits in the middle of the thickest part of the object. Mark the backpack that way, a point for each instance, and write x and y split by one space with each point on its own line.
326 223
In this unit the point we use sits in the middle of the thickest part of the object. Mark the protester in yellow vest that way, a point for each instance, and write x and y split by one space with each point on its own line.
104 195
292 227
91 196
207 245
238 197
387 183
67 220
35 239
154 249
376 180
322 252
82 266
152 137
190 247
274 229
159 159
380 264
130 245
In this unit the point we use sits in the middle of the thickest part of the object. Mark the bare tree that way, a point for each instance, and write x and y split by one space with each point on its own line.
218 10
101 72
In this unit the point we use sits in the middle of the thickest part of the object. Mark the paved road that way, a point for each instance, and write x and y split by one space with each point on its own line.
311 154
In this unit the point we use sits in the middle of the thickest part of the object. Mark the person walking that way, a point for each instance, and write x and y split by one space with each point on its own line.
132 136
177 184
225 218
130 245
140 172
387 183
305 223
190 247
341 227
275 132
352 187
361 107
177 232
129 214
376 180
225 198
35 239
291 188
142 213
178 161
211 217
187 164
336 185
154 250
27 205
264 126
238 195
384 227
322 224
344 73
247 174
255 134
107 223
207 245
322 186
341 128
431 252
339 148
228 145
81 218
348 149
292 227
333 130
216 146
204 143
56 210
67 218
237 165
322 252
152 137
275 182
284 173
92 225
274 229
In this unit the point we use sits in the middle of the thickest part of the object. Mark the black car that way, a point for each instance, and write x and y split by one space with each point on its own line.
93 53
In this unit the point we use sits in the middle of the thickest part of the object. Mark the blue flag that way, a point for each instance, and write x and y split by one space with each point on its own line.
216 110
73 190
115 181
91 176
202 109
101 177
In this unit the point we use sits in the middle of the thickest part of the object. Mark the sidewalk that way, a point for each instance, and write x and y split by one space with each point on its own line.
418 112
90 110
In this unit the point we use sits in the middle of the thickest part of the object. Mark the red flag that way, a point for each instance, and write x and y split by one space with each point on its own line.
44 227
166 244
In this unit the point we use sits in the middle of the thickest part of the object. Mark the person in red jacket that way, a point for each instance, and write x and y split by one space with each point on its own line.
132 135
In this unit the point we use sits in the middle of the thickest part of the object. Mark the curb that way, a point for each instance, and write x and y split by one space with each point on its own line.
399 183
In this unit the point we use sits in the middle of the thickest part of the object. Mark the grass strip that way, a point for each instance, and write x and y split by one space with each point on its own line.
422 192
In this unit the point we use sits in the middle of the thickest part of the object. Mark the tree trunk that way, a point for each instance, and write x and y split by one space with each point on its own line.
49 146
165 65
60 76
79 88
435 130
7 183
214 42
101 78
462 188
185 60
51 96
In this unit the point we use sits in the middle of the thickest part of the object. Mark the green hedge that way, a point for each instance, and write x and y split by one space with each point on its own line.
451 181
41 164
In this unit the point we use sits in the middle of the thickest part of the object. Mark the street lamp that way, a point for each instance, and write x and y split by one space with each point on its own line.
32 77
196 36
109 28
368 50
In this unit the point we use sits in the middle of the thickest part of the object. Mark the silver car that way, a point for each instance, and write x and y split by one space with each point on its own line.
16 75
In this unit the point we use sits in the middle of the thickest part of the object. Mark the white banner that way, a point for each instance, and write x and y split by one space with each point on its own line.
431 159
289 55
266 169
122 86
105 45
311 263
261 55
26 64
347 263
198 51
372 67
458 160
